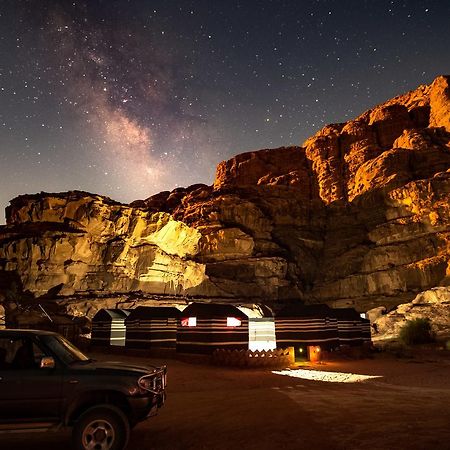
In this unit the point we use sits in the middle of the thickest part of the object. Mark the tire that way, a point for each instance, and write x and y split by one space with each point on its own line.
102 427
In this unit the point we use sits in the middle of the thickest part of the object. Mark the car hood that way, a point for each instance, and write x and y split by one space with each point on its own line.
114 367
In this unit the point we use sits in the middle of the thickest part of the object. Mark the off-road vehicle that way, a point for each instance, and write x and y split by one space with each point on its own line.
46 383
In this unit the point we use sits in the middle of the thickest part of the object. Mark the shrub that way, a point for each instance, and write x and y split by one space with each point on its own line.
417 331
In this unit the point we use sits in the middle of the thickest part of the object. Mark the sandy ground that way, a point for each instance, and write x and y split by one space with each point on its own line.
407 407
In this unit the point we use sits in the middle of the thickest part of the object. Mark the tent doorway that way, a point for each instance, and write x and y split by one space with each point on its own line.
301 353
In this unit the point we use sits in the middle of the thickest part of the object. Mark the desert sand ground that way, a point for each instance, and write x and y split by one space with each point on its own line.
406 407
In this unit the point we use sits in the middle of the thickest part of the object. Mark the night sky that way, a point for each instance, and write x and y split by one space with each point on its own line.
128 98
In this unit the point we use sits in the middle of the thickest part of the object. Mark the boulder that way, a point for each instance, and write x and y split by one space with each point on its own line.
432 304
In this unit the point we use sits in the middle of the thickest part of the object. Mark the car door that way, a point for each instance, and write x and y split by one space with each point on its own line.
28 393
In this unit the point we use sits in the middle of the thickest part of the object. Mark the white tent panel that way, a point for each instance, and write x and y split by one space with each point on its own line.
261 333
118 331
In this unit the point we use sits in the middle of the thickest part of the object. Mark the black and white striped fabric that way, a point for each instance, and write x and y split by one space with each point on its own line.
302 326
211 330
366 330
152 327
351 327
108 327
305 325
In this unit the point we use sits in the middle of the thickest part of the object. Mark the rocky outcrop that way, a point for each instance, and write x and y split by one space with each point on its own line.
433 304
440 103
83 242
2 317
287 166
357 216
388 248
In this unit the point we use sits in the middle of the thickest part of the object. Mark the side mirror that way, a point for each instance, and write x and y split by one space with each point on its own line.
47 362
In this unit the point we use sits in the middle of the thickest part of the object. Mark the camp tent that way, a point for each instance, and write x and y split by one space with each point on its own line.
108 327
302 326
352 329
204 327
366 331
152 327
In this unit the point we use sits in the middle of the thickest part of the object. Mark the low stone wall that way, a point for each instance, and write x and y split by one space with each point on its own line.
220 357
248 358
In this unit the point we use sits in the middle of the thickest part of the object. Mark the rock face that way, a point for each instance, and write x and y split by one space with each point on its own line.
356 216
433 304
83 242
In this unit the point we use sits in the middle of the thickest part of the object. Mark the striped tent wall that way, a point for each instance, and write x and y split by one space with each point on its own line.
152 327
101 333
306 331
350 327
108 327
211 334
211 331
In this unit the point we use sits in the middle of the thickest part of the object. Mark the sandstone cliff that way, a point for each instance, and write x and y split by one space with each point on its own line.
358 215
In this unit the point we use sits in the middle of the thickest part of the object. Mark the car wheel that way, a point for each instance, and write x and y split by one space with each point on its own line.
101 428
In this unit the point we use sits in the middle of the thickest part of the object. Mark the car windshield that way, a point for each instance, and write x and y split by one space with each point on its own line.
63 349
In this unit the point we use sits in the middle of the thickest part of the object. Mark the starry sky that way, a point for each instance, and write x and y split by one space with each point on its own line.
126 98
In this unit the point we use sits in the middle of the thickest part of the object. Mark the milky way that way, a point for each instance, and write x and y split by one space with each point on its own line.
127 98
128 93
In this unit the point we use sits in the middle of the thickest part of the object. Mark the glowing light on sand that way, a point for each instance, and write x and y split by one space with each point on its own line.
321 375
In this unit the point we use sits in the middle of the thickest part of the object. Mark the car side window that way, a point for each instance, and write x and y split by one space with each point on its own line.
19 353
38 354
3 353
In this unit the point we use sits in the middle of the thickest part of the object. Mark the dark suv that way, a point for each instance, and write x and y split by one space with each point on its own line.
47 383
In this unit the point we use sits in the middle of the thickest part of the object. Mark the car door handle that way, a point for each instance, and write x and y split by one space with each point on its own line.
73 381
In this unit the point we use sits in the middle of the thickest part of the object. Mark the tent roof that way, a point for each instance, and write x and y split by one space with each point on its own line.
346 313
110 314
148 312
208 310
299 310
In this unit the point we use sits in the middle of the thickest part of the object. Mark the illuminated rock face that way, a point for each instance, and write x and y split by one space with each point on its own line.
433 304
359 215
88 243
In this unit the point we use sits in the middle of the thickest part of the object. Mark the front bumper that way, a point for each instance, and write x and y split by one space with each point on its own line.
154 382
144 407
154 385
